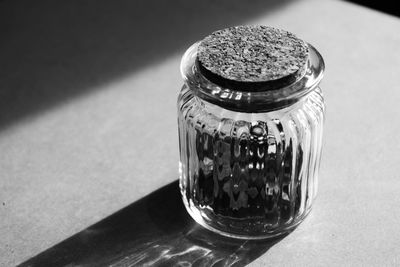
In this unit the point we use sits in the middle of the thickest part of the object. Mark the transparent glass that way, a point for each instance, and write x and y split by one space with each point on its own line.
249 161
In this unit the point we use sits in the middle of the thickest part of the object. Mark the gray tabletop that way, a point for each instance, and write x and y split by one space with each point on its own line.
88 127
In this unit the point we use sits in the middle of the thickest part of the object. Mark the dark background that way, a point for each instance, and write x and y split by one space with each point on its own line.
389 7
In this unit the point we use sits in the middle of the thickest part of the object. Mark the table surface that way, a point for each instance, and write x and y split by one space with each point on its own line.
88 127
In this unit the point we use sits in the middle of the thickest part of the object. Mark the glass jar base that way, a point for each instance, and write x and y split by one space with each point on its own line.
277 232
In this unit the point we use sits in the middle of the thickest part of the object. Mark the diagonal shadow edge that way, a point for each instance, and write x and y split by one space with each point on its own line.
52 52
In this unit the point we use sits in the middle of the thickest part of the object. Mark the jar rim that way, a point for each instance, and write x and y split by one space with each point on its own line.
251 101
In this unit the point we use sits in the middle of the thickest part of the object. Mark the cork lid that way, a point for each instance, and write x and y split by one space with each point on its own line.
252 58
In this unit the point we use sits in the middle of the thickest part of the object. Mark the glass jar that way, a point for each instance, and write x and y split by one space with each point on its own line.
249 159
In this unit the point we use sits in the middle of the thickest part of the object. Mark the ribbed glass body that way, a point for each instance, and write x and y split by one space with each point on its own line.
250 174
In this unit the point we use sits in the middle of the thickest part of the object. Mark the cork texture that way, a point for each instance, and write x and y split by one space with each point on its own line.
252 54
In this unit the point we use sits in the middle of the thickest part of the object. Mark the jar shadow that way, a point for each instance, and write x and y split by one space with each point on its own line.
155 230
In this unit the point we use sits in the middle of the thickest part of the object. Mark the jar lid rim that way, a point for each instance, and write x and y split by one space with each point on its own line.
251 101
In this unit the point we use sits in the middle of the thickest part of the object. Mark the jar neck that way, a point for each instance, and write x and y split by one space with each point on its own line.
251 101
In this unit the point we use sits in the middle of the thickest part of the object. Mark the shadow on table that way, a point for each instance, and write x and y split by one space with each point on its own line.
157 231
51 51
